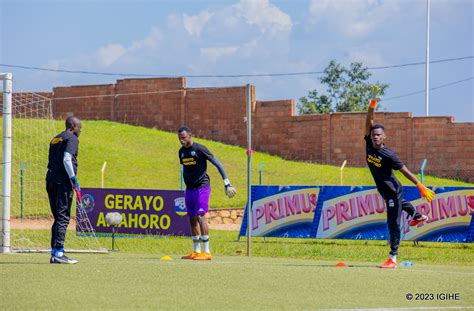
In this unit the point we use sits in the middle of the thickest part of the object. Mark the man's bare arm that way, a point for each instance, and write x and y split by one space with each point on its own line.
369 120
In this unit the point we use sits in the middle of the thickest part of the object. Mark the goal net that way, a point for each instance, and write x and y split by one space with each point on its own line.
30 218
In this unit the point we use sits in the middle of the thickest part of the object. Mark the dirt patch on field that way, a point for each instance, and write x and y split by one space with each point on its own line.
46 223
36 223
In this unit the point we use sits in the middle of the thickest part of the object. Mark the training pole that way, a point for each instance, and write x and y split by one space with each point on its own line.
7 161
102 176
422 171
342 168
249 168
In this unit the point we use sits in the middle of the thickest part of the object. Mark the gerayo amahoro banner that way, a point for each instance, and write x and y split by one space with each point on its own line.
156 212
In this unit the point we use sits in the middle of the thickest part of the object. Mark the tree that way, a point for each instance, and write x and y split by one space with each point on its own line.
348 89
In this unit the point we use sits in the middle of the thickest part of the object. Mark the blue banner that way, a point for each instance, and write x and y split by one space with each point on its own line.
344 212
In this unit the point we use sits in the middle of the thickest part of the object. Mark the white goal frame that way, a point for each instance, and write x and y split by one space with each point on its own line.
7 90
8 239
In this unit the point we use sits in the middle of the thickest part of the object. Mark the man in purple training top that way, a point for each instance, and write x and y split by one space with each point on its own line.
381 161
194 157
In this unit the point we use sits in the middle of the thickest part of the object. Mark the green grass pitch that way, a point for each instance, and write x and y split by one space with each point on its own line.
291 274
282 274
143 281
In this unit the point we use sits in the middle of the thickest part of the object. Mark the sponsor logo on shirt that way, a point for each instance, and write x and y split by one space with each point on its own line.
189 161
56 140
375 160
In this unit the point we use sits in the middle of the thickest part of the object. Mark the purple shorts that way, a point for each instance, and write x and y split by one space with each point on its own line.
197 200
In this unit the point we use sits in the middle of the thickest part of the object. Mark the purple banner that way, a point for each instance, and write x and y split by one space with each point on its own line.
156 212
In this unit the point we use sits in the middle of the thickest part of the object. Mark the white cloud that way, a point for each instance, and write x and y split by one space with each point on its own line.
355 18
109 54
195 24
268 17
253 34
151 41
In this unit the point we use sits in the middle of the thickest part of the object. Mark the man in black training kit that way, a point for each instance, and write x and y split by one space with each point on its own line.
60 181
194 157
382 161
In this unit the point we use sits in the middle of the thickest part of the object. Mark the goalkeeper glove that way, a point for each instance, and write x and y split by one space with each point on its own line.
425 192
374 93
229 190
76 187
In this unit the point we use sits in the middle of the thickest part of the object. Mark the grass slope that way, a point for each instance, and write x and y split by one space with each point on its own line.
143 158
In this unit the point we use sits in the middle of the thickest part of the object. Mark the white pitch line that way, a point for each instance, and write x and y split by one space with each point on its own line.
405 308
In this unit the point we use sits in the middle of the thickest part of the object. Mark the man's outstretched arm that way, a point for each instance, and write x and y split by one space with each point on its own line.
424 192
229 190
369 120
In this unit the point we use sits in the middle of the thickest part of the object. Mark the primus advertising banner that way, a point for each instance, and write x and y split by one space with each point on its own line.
155 212
343 212
282 211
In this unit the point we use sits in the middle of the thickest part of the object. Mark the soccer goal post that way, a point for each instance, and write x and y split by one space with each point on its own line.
28 127
6 79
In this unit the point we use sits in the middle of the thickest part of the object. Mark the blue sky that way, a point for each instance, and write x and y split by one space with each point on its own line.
245 37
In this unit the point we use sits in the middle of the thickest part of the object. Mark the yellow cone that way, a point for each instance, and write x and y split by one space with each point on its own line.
166 257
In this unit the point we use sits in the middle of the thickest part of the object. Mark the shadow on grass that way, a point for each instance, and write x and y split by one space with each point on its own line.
330 266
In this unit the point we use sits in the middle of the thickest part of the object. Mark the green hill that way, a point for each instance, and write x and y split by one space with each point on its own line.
143 158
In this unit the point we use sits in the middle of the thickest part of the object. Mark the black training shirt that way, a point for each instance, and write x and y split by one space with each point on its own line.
194 161
381 163
64 142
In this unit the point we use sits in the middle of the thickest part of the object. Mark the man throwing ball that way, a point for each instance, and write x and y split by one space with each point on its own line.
194 157
382 161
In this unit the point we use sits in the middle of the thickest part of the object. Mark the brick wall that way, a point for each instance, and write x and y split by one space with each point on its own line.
448 146
325 138
219 114
89 101
161 109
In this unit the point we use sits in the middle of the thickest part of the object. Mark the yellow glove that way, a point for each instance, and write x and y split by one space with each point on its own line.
375 89
425 192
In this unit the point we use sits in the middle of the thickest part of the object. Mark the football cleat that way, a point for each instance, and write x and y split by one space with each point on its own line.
420 219
203 256
389 264
191 256
62 259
